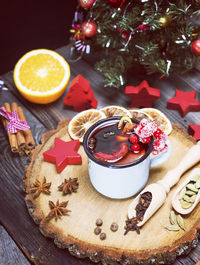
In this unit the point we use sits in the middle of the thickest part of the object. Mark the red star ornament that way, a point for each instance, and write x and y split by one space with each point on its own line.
142 95
80 96
63 154
184 102
194 130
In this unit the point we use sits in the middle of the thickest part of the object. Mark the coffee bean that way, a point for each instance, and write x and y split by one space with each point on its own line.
114 227
103 236
99 222
97 230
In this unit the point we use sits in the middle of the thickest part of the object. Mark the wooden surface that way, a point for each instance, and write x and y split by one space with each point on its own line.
13 215
9 252
87 205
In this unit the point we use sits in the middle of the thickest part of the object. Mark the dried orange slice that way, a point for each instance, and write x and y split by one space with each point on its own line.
111 111
41 76
82 121
160 118
139 115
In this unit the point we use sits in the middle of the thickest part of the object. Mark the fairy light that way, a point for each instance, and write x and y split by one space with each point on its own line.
121 80
108 44
187 8
1 83
2 87
156 5
168 67
139 47
113 15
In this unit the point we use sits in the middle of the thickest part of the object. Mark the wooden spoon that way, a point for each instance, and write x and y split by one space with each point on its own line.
176 198
160 189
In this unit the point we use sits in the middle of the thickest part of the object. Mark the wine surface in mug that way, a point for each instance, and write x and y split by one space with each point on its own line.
111 145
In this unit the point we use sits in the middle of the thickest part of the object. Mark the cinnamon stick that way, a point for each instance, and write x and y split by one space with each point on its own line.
19 134
27 152
11 136
29 140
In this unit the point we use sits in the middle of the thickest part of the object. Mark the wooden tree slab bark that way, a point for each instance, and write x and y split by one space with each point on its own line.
154 245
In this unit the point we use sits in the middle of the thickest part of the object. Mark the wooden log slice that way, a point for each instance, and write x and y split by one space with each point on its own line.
154 245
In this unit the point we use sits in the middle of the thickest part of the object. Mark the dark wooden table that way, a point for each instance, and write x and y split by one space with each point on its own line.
23 243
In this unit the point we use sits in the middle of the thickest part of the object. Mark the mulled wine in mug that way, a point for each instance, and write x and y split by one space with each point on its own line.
118 162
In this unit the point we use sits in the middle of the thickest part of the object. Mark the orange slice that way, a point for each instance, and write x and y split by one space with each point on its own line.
139 115
82 121
160 118
41 76
111 111
123 119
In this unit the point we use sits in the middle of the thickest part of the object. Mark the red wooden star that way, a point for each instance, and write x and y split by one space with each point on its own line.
142 95
184 102
194 130
80 96
63 154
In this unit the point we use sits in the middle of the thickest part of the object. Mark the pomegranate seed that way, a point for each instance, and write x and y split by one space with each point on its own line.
156 143
135 148
146 140
134 139
157 133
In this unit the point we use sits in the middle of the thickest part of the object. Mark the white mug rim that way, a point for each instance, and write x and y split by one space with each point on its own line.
116 166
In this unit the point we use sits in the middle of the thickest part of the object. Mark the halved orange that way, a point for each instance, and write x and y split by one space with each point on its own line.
41 76
160 118
114 110
83 121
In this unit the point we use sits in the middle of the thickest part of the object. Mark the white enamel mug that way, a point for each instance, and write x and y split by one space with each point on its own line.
120 181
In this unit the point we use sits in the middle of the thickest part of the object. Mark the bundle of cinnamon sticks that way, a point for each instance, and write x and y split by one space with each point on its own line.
21 142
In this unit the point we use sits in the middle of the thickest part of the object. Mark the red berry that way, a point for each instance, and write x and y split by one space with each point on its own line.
146 140
135 148
134 139
157 133
137 126
142 27
156 143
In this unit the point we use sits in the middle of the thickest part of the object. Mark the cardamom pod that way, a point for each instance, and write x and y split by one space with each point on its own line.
186 198
193 198
184 204
190 192
192 187
183 191
172 228
172 217
197 184
180 222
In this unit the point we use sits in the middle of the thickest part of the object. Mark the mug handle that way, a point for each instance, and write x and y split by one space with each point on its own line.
162 157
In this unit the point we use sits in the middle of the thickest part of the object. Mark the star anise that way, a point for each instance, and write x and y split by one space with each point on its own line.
39 187
57 210
69 185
